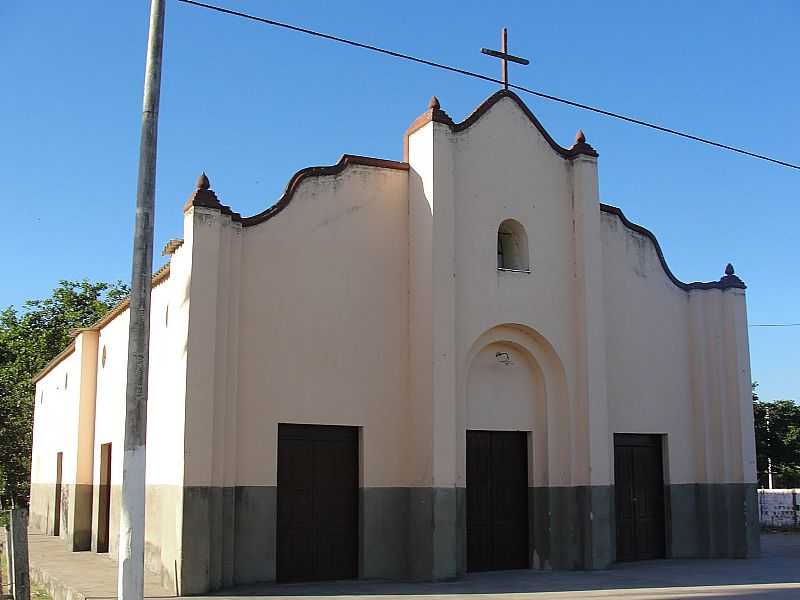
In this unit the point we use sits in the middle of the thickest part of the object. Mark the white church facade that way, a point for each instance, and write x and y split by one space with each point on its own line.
463 361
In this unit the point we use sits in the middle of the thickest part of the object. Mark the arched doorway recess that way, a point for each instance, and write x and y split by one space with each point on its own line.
515 414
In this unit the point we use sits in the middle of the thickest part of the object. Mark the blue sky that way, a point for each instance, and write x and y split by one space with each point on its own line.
252 104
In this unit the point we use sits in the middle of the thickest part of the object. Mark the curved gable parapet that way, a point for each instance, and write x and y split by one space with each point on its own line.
437 115
347 160
727 281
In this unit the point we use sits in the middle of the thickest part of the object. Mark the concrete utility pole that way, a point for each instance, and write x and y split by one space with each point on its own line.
130 584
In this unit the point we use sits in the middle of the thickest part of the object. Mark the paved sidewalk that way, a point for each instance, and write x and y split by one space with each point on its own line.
78 575
774 576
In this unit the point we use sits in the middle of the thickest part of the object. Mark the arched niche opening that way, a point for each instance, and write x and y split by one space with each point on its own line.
512 247
513 379
504 387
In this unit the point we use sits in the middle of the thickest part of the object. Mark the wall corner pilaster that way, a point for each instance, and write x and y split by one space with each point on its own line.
77 489
726 497
213 236
435 526
734 306
593 439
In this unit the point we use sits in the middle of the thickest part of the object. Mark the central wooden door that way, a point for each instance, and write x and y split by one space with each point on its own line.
497 500
317 502
639 496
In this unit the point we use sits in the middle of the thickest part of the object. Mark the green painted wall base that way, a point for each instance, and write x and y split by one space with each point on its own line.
713 520
228 534
437 533
571 527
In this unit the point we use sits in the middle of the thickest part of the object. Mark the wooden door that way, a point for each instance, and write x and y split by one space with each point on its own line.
317 502
497 500
639 496
57 503
104 499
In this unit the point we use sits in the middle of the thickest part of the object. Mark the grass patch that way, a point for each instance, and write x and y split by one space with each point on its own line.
39 593
3 570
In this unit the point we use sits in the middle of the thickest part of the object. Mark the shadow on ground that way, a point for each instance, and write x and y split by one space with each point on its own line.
776 575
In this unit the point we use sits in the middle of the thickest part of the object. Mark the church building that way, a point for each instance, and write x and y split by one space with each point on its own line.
412 370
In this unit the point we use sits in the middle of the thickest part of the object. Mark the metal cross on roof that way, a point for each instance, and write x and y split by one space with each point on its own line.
505 56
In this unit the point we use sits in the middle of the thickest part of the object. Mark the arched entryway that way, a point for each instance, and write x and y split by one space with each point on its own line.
502 387
515 416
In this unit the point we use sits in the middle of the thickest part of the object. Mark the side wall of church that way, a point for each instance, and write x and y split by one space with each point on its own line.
165 416
90 413
678 366
311 313
61 503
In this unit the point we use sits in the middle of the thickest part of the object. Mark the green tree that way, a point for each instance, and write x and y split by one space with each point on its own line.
29 339
777 426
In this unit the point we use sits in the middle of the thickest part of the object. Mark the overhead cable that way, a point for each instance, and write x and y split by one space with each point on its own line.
473 74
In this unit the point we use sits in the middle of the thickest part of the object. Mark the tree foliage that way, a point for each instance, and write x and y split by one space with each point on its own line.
777 426
29 339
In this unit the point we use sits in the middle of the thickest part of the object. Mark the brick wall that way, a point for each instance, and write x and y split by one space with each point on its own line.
779 508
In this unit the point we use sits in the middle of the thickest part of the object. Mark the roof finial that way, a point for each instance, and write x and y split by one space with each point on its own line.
730 280
204 196
580 137
434 103
202 182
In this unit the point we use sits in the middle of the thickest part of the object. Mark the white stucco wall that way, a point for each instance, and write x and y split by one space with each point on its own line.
110 403
647 341
504 142
597 305
91 412
500 167
538 195
678 362
165 405
324 323
65 425
56 422
165 417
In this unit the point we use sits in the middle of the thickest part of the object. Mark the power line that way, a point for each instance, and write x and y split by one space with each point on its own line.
777 325
445 67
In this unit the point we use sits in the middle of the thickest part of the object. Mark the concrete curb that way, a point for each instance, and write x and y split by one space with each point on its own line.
57 589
